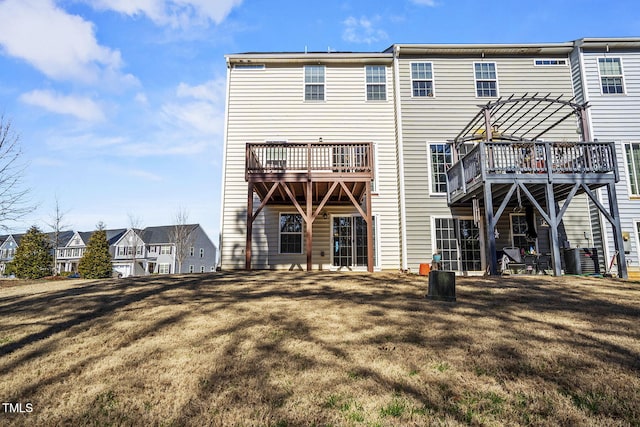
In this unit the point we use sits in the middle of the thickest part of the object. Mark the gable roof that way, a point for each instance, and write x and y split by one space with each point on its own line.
161 234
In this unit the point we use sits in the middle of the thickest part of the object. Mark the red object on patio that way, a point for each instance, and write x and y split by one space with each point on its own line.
424 269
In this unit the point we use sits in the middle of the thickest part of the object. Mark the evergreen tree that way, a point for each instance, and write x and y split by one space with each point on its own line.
96 261
33 257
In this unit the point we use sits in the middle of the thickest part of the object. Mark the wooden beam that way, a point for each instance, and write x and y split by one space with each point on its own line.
247 250
265 200
353 200
369 219
309 225
325 200
295 202
492 257
553 228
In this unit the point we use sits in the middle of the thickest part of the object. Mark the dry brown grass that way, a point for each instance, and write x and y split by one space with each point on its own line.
271 348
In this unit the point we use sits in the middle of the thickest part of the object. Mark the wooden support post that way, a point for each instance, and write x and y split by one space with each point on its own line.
247 251
617 231
309 223
553 228
492 257
369 221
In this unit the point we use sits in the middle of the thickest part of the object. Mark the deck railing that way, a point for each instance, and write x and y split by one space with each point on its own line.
495 158
280 158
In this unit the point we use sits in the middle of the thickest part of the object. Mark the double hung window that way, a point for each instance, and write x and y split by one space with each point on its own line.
422 79
314 83
486 79
611 75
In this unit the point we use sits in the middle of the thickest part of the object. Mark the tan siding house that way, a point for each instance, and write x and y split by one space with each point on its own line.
268 101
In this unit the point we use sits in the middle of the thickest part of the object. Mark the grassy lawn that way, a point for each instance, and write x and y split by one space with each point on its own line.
291 348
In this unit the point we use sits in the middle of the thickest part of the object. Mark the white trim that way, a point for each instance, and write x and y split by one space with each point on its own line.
400 148
475 80
635 223
224 160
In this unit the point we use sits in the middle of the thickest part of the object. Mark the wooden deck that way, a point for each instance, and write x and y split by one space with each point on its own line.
561 164
310 176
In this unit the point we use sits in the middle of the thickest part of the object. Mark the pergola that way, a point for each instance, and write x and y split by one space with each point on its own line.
501 153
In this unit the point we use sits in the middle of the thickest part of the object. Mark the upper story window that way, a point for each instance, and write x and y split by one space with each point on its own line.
376 76
440 161
422 79
192 251
550 62
290 234
314 83
611 75
201 252
165 250
632 155
486 79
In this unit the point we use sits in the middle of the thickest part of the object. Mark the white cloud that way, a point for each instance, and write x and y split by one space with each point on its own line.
60 45
431 3
82 108
173 13
363 30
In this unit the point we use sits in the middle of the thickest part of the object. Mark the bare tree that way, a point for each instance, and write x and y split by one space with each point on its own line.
182 236
13 196
57 225
135 224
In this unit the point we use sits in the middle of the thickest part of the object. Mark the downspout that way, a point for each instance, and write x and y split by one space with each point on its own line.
224 161
399 142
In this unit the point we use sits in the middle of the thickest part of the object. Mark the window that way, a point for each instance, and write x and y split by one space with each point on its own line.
192 251
201 253
611 75
550 62
191 269
632 154
314 83
440 162
421 79
165 250
376 82
519 232
202 269
446 243
486 79
163 268
290 234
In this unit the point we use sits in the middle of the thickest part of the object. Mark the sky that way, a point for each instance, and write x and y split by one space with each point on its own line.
119 104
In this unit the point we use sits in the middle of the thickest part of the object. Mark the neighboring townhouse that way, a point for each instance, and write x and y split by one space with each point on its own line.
69 254
381 160
153 250
8 249
444 93
310 162
607 76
